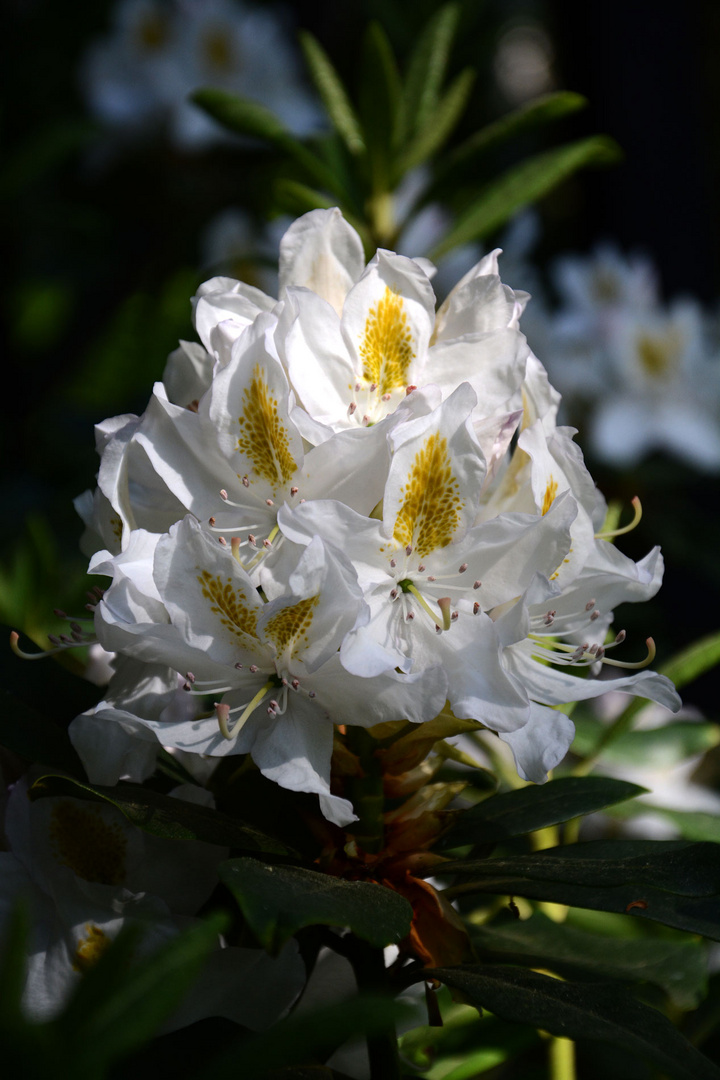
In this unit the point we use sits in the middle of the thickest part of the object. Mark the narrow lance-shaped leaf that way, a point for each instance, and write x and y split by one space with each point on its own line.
380 104
515 813
542 110
672 882
332 92
162 815
579 1011
524 184
278 900
245 117
439 124
427 66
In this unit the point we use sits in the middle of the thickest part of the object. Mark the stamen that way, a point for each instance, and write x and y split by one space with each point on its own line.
463 568
61 643
637 508
477 584
444 605
223 494
245 480
352 407
294 491
421 568
386 397
476 608
409 390
223 713
211 522
222 540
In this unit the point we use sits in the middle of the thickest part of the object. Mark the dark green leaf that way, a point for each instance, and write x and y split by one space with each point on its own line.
246 117
162 815
380 104
333 94
439 125
515 813
427 66
579 1011
524 184
528 117
278 900
679 968
671 882
120 1004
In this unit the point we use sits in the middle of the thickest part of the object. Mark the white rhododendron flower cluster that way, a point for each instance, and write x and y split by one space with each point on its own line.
159 51
344 507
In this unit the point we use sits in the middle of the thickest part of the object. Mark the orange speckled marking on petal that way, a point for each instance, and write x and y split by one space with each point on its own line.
82 840
386 346
231 605
263 436
551 491
287 626
430 512
90 948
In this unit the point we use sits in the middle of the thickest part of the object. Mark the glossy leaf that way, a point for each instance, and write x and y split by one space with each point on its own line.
427 67
579 1011
279 900
514 813
678 968
671 882
524 184
162 815
332 92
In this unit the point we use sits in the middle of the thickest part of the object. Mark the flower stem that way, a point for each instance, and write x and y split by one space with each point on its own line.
561 1058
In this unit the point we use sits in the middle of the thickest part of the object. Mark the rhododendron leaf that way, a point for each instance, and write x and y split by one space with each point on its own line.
578 1011
426 69
332 92
677 967
539 111
278 900
380 103
672 882
246 117
163 815
524 184
439 124
514 813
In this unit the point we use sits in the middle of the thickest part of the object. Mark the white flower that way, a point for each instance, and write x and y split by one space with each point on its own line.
158 53
321 519
85 872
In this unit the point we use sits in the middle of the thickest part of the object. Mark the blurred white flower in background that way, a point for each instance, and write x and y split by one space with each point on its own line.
644 375
141 75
